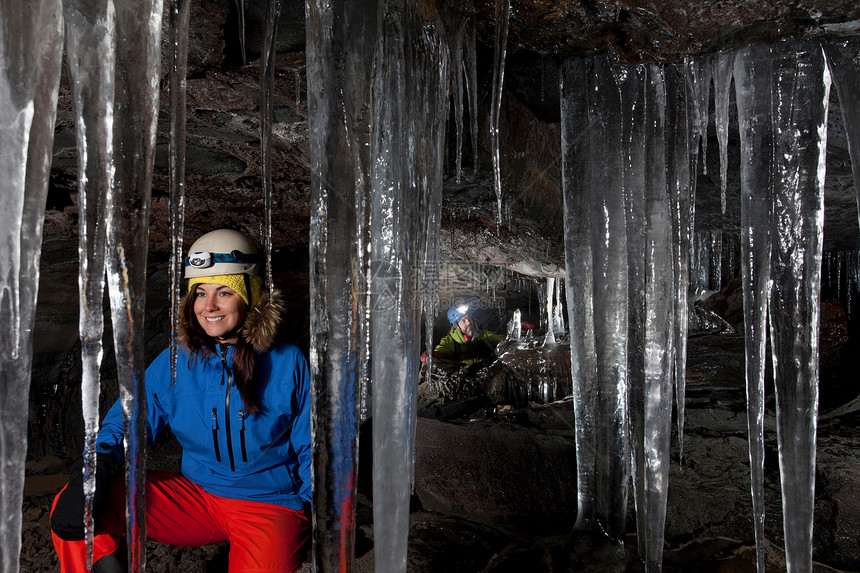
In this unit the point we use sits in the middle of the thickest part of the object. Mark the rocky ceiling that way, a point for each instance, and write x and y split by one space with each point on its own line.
223 170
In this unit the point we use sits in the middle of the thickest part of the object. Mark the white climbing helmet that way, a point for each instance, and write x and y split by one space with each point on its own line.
223 252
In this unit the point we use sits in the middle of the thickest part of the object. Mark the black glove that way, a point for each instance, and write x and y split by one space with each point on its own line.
67 519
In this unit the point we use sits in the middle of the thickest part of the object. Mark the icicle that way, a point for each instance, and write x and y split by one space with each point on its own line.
595 234
456 28
240 14
843 58
91 55
557 311
680 197
127 223
549 339
752 88
178 13
605 165
633 121
722 83
516 329
470 65
406 147
659 332
339 65
700 71
580 281
503 13
267 79
799 99
30 56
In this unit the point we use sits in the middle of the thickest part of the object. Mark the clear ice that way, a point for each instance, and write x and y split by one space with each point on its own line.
752 88
800 93
341 40
30 56
135 113
90 52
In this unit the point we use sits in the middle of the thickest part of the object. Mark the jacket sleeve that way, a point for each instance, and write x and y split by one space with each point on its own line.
300 436
111 432
446 348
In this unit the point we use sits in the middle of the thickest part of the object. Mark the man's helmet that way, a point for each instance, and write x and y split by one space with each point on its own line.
223 252
455 313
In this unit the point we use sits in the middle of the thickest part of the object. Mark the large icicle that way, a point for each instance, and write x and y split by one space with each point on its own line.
681 201
407 140
605 164
752 88
580 281
632 81
341 38
178 14
30 54
843 58
90 44
801 86
503 13
723 66
659 319
267 80
700 70
138 26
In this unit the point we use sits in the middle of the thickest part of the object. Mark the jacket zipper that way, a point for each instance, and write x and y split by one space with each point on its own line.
242 415
215 433
229 373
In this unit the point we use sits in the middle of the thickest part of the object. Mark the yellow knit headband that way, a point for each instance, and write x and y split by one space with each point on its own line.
235 282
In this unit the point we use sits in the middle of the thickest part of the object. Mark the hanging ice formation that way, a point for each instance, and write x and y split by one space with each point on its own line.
135 117
843 57
595 234
503 13
752 72
549 340
267 80
30 55
91 56
341 39
178 13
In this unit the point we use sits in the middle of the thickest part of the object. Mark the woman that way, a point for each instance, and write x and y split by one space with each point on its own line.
240 409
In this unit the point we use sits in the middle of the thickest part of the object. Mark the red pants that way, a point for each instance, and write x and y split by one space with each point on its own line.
263 537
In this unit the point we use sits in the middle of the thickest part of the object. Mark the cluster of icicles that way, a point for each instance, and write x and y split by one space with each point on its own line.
378 85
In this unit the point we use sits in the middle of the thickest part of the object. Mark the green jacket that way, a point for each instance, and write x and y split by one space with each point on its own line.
454 346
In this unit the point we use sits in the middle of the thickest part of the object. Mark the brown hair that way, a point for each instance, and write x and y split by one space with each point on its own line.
244 358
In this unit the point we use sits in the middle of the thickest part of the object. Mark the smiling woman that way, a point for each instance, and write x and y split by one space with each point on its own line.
219 310
240 409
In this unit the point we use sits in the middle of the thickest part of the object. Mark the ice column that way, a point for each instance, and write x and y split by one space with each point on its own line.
90 53
503 13
843 57
659 323
596 257
752 88
632 81
700 70
549 340
30 55
138 26
178 13
723 65
267 79
409 115
341 37
580 281
801 85
681 203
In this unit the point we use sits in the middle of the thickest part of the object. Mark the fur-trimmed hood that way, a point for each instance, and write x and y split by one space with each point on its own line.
261 324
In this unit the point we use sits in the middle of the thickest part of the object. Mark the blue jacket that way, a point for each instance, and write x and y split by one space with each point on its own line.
227 451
